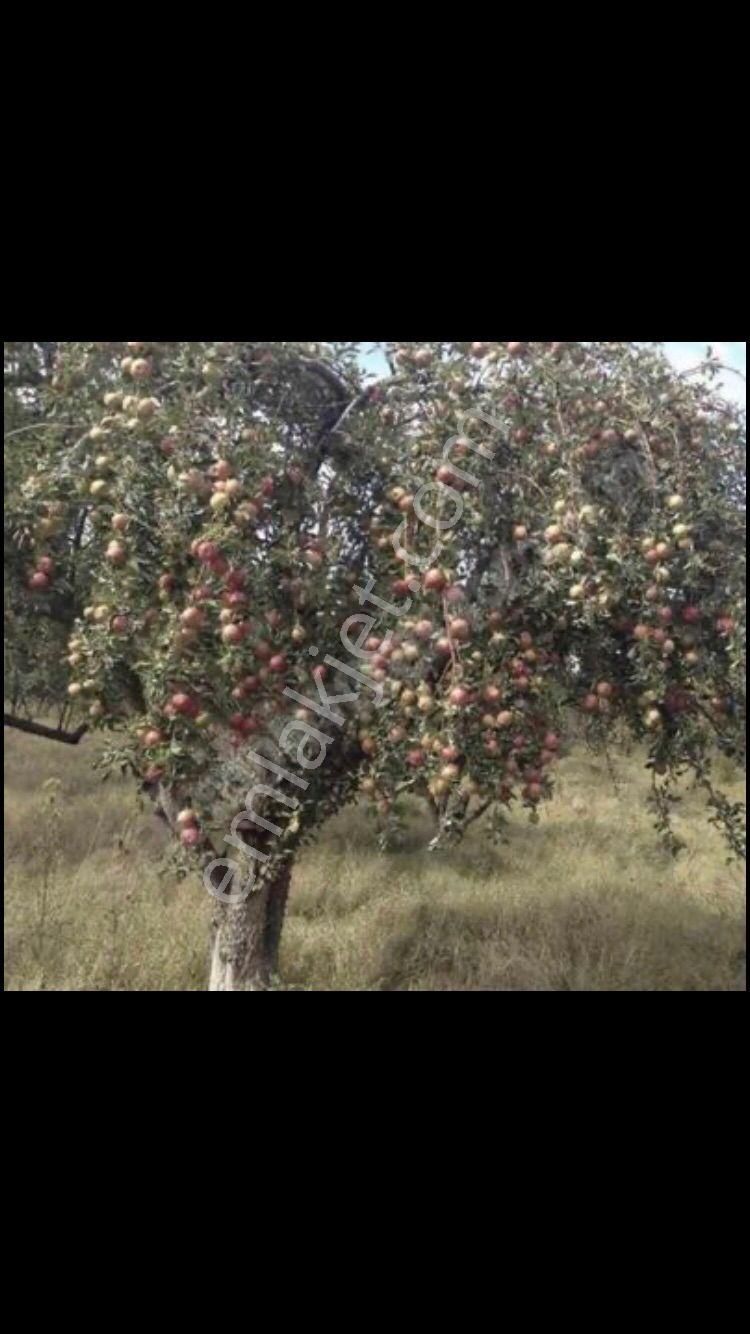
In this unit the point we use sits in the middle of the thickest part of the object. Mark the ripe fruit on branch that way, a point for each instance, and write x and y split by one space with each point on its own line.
234 632
459 629
725 625
459 697
435 581
184 704
116 553
38 581
449 477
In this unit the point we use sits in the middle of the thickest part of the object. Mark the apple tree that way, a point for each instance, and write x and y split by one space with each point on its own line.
288 586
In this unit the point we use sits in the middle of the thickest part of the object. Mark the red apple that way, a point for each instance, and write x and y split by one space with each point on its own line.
116 553
449 477
38 580
434 581
206 552
184 704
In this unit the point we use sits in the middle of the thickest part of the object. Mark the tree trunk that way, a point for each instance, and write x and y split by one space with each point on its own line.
246 937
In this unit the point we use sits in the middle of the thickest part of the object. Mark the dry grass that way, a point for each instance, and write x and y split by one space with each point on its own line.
584 901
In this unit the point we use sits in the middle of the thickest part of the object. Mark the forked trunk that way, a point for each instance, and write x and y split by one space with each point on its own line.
246 937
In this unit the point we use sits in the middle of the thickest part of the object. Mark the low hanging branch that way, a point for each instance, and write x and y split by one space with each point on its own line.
39 729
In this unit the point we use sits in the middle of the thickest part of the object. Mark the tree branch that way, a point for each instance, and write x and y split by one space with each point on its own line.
39 729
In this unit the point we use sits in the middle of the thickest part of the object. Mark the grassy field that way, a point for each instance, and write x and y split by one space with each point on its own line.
585 901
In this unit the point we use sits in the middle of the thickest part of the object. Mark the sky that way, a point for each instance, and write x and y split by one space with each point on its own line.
682 356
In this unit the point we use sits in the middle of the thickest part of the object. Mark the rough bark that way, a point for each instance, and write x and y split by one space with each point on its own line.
246 936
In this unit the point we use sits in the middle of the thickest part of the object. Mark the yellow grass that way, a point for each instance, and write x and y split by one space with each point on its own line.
585 901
